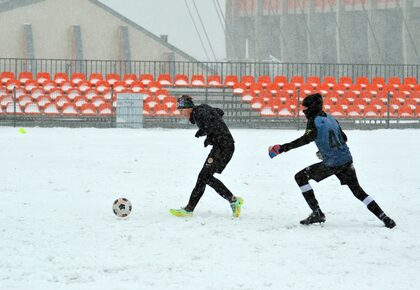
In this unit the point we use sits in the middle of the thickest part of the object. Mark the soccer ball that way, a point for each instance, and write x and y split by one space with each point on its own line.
122 207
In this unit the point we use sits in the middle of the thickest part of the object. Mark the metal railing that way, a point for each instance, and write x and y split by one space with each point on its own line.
256 69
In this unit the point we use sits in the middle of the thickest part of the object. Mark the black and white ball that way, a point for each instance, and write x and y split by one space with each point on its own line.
122 207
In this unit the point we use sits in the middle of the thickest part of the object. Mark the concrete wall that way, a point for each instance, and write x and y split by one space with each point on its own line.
389 35
52 22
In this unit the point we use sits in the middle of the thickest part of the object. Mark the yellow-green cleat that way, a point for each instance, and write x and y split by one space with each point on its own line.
181 212
236 206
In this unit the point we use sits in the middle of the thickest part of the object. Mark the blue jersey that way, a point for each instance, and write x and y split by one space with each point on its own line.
330 142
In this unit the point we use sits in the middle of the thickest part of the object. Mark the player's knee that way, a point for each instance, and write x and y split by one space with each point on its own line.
301 178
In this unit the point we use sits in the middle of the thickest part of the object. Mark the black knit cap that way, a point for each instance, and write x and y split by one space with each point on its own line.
185 102
313 104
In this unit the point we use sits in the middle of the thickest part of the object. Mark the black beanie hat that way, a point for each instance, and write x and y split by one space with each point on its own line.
185 102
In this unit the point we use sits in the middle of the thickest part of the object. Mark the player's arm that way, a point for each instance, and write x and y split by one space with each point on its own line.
342 132
308 137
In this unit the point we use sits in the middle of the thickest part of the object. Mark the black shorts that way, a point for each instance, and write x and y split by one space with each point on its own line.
345 173
219 157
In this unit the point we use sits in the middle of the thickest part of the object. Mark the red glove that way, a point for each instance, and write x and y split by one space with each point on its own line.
275 150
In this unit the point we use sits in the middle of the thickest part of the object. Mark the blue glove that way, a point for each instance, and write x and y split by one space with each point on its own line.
275 150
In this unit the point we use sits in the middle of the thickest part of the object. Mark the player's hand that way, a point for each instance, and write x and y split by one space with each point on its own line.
200 133
275 150
207 142
319 155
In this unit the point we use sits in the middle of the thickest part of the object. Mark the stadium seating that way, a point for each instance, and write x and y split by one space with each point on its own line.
272 97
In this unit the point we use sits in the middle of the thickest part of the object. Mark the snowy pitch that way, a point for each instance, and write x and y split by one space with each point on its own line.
58 230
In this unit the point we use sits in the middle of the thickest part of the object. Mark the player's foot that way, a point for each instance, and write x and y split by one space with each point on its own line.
315 217
389 223
182 212
236 206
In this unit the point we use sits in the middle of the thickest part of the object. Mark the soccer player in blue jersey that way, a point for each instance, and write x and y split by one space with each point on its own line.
336 160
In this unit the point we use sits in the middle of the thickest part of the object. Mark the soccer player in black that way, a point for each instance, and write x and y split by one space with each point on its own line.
336 160
210 124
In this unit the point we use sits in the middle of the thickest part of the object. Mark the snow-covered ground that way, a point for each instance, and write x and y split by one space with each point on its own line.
58 231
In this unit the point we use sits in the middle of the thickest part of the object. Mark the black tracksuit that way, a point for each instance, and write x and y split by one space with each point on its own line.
210 123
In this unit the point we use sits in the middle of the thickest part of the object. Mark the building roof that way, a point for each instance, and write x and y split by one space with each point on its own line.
6 5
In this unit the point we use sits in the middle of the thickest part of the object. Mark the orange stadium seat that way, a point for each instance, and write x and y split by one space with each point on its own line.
154 87
77 77
129 79
5 100
36 93
95 78
24 77
3 92
11 108
97 101
406 111
6 76
346 81
112 79
107 94
32 109
281 81
90 94
24 99
61 101
410 81
66 86
60 77
267 110
248 96
379 81
145 79
181 80
161 94
214 81
170 102
239 88
164 80
105 109
314 81
161 110
257 88
264 81
273 89
11 84
137 86
198 81
337 111
70 109
231 80
43 77
354 112
362 81
48 85
84 86
395 82
101 86
73 93
297 81
30 85
88 110
147 111
247 81
257 104
330 81
152 101
43 100
19 92
119 86
51 109
80 100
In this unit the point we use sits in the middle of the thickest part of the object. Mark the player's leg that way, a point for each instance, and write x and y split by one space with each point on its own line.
348 176
202 180
316 172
